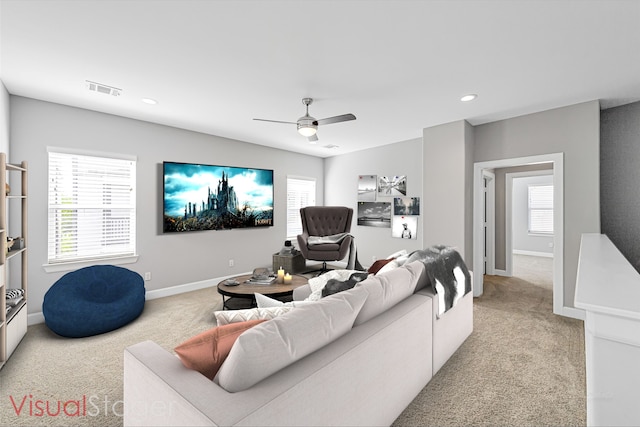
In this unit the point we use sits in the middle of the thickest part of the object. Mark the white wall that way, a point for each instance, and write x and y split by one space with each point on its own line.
573 130
341 188
523 242
173 259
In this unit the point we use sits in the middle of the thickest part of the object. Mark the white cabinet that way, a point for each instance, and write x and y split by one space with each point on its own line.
13 260
608 289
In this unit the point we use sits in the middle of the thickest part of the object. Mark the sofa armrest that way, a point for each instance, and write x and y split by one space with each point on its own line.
160 391
452 328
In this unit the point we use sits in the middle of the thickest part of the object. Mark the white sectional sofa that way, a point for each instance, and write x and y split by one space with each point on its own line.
367 376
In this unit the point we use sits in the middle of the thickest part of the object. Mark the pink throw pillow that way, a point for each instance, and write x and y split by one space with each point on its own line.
207 351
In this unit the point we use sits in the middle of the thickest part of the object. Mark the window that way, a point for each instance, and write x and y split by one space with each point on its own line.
541 209
92 206
301 192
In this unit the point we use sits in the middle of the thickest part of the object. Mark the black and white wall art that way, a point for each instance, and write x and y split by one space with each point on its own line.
406 205
374 214
405 227
392 185
367 186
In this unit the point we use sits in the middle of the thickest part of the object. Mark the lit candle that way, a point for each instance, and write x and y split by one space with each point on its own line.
287 279
281 275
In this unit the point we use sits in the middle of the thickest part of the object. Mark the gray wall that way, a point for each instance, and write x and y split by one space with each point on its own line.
573 130
173 259
620 179
341 185
446 206
448 187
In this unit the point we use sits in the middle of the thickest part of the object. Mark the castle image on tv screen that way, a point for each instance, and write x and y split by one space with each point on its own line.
206 197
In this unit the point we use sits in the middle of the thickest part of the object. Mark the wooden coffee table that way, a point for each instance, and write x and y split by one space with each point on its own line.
242 295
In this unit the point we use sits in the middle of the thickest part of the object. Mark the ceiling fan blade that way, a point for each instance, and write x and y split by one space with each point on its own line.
336 119
276 121
313 138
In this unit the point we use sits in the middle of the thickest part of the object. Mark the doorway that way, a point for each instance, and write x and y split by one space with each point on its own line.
479 219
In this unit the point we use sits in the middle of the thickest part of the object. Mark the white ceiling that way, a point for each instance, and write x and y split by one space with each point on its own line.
399 66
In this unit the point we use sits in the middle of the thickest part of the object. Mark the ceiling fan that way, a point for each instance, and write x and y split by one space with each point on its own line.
308 126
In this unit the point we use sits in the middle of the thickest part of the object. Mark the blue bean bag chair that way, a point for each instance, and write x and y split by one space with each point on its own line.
93 300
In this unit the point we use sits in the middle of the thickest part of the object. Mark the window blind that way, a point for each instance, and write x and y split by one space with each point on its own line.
301 192
91 207
541 209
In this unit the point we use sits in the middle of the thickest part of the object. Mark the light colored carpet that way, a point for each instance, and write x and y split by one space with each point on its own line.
521 366
52 368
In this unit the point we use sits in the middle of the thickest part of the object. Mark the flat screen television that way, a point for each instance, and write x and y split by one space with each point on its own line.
208 197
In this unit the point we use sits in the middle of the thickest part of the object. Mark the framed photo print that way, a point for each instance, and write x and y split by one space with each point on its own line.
392 185
406 205
367 188
374 214
405 227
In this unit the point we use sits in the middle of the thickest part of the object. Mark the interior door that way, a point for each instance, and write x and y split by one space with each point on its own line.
489 221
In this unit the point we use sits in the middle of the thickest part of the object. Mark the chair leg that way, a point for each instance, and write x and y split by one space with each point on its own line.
321 271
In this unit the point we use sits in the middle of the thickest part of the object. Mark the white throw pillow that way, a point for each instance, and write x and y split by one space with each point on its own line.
263 301
225 317
391 265
386 290
397 254
270 346
317 284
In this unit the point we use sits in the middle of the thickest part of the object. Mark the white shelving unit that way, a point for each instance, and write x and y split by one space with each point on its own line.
13 322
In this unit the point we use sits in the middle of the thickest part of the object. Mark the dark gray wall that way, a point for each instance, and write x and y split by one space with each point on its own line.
620 178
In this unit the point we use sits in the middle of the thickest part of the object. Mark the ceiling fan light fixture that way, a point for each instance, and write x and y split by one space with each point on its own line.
307 129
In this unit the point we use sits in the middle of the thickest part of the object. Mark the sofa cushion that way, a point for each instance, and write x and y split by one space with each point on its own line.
387 289
224 317
206 351
265 349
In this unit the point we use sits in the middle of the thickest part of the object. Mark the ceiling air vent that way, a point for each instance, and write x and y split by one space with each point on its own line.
99 87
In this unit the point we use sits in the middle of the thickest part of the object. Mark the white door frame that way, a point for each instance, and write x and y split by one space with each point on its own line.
558 220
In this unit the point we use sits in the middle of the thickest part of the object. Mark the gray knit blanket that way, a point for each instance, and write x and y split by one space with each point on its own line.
442 264
352 263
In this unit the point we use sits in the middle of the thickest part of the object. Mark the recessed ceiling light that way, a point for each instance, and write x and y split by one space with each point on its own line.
149 101
469 97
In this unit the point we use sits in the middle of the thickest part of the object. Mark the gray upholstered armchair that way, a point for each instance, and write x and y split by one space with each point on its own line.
322 221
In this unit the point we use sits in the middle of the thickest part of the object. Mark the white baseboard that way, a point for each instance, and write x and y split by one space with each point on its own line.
36 318
573 312
533 253
501 273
